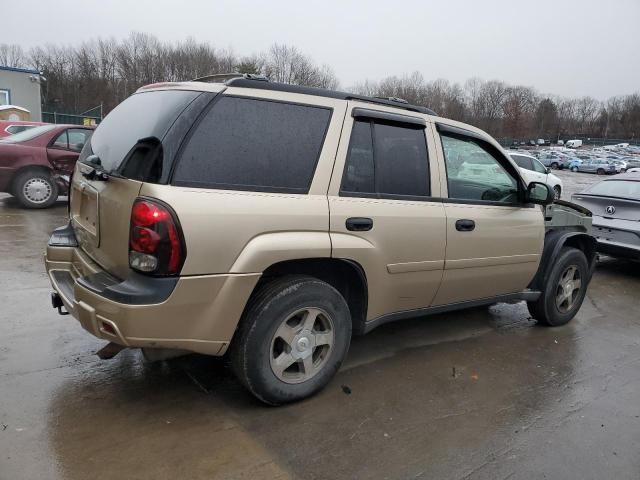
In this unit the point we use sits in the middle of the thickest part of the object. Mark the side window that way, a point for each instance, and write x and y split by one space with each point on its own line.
254 145
523 162
538 167
474 173
77 138
386 160
359 172
61 141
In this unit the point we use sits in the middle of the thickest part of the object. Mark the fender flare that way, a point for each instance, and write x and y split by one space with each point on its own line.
554 240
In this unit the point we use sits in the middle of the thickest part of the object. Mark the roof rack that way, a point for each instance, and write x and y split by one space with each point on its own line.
261 82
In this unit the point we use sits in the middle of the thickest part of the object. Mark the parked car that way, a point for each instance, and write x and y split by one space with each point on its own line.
573 143
11 127
35 164
291 218
573 164
619 164
598 165
534 171
615 204
553 159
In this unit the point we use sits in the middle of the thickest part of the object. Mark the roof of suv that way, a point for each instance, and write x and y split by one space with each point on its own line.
262 83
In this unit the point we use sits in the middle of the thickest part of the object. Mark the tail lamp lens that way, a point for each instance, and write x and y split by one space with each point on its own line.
155 243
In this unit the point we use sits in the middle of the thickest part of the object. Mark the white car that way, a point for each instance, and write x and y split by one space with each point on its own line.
634 170
534 171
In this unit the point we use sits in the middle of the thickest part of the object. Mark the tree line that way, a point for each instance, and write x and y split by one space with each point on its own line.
106 71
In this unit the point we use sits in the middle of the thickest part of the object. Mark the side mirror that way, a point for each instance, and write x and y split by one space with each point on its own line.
539 193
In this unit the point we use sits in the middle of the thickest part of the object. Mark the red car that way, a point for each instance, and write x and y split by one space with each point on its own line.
35 164
10 127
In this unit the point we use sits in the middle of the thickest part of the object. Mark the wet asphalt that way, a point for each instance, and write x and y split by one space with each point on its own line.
484 393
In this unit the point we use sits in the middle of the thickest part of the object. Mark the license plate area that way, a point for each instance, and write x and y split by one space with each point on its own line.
85 213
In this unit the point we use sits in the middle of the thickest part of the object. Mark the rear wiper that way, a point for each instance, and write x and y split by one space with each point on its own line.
91 169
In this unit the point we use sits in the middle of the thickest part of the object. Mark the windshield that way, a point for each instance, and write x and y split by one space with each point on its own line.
141 116
28 134
616 188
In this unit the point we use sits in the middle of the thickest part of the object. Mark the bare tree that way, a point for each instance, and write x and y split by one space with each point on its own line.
12 55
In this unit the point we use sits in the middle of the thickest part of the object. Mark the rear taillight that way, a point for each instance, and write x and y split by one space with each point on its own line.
155 239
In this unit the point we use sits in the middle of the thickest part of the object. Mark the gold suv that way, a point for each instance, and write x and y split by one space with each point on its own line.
273 222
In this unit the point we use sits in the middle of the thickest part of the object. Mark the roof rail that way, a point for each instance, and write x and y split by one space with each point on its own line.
218 77
263 83
225 77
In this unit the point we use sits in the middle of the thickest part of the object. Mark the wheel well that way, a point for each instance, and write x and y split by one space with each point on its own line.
554 241
346 276
584 243
23 169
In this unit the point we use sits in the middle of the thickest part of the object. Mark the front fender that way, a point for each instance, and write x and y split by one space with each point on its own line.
554 240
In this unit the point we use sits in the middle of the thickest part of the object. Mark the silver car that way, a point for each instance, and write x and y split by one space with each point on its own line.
601 166
615 204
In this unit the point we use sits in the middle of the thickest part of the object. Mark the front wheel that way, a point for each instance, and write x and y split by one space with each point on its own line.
564 290
35 189
600 171
554 165
623 170
292 339
574 169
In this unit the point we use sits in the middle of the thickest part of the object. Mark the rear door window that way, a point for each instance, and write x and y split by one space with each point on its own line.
77 138
254 145
386 160
523 162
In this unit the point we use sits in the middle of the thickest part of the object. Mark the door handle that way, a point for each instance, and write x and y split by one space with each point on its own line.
359 224
464 225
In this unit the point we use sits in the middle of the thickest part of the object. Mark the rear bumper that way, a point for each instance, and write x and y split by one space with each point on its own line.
198 314
617 242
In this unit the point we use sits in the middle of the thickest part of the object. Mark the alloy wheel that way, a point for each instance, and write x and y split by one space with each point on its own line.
301 345
568 289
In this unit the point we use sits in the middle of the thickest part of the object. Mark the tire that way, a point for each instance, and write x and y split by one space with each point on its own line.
574 169
623 170
557 192
554 165
600 171
35 188
554 308
276 325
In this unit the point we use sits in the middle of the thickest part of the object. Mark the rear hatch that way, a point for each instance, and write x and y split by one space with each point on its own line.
134 144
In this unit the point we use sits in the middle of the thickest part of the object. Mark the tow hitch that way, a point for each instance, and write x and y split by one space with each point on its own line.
56 302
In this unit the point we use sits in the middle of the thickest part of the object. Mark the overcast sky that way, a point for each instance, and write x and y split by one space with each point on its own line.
565 47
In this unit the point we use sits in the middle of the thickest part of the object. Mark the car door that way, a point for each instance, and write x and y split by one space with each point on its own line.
494 241
64 149
385 210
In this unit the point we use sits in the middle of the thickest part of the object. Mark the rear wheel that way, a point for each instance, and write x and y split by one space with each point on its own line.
574 169
292 339
557 191
554 165
35 189
564 290
600 171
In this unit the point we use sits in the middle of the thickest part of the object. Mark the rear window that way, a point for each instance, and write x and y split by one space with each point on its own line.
254 145
28 134
616 188
141 116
